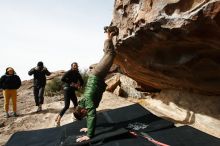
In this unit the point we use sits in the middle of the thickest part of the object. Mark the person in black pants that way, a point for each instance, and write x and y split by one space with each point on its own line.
40 72
73 81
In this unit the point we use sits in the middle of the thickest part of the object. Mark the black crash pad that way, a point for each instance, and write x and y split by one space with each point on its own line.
185 136
114 128
133 117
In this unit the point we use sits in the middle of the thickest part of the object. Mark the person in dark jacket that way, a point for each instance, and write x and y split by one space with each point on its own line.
40 72
72 82
94 89
10 82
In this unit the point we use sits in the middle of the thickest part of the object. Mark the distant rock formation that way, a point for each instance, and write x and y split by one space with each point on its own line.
55 74
124 86
170 44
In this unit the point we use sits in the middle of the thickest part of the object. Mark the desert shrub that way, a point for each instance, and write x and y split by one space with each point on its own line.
54 87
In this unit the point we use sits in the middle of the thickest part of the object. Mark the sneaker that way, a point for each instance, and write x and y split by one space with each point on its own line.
6 115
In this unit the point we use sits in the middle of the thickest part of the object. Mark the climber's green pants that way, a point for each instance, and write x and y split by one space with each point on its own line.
91 99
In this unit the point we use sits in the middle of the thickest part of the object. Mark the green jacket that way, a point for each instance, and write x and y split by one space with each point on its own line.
92 97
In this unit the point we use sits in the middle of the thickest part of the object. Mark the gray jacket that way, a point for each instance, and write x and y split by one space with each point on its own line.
102 68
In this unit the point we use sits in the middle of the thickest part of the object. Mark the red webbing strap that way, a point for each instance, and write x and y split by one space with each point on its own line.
149 139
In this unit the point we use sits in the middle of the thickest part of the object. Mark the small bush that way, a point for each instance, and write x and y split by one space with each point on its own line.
54 87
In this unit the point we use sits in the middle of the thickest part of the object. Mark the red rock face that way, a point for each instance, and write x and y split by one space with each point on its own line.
170 43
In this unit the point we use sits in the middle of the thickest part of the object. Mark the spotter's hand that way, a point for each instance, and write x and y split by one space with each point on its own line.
83 138
84 130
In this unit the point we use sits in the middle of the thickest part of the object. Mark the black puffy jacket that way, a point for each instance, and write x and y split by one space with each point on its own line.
10 82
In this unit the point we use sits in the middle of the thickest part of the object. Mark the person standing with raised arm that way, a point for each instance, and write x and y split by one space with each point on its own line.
40 72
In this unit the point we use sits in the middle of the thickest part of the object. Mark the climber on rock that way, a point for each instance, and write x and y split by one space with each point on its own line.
95 87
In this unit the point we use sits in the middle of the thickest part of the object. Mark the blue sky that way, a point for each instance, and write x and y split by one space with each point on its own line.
57 32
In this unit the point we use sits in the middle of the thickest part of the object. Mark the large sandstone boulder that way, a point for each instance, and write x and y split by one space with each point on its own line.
173 45
170 43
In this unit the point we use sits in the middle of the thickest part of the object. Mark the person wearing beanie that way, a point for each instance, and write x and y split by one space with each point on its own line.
10 82
40 72
72 82
94 89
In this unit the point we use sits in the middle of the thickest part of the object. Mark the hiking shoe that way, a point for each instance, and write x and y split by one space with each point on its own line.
6 115
15 114
39 108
